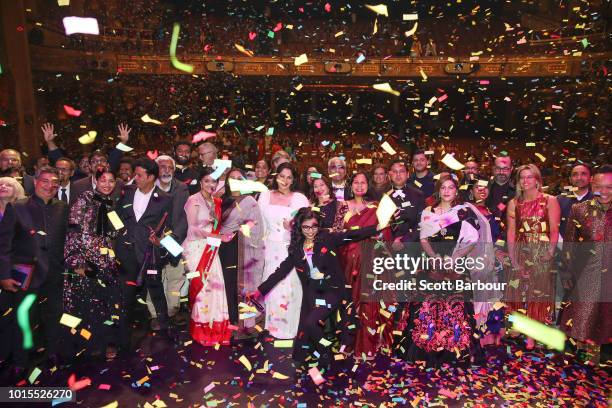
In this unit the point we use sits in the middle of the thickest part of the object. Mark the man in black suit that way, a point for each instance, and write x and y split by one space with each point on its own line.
146 212
66 191
33 232
173 274
410 202
501 190
580 179
97 160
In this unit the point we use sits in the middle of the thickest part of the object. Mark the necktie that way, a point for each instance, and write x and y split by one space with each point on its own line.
63 196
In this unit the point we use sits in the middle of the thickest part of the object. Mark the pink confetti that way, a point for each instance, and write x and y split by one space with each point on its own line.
484 82
202 135
443 98
71 111
105 387
318 125
327 7
252 36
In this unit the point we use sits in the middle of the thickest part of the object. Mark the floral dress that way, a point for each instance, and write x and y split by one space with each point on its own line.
94 298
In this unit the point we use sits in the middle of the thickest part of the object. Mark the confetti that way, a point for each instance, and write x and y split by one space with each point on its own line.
176 30
549 336
81 25
302 59
452 163
88 138
380 9
69 320
23 319
147 119
386 88
71 111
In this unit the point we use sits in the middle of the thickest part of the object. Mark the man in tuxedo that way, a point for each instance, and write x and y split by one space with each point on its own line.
410 203
146 212
580 179
336 170
66 191
33 232
97 160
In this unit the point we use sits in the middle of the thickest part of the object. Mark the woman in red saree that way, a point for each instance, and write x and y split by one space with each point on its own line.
375 318
209 324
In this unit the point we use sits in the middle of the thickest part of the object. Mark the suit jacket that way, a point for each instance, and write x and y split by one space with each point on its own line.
84 184
34 232
324 259
134 241
179 194
410 202
28 184
565 202
72 195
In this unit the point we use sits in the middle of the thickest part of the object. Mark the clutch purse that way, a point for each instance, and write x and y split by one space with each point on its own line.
22 273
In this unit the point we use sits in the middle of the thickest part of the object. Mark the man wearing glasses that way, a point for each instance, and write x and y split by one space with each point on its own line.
336 169
97 160
501 188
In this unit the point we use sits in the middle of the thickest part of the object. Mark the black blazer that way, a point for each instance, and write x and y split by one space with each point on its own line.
324 258
84 184
410 204
21 240
135 238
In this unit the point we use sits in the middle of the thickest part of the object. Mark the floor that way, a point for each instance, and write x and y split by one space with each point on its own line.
161 373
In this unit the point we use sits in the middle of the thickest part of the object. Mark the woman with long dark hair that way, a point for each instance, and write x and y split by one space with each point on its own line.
277 208
359 211
209 323
312 255
242 257
91 289
444 328
321 197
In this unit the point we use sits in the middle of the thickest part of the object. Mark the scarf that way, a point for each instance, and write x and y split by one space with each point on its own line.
106 203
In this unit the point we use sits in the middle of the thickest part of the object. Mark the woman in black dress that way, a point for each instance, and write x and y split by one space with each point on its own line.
91 288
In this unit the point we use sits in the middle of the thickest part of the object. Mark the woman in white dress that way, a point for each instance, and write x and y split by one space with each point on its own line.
278 207
209 323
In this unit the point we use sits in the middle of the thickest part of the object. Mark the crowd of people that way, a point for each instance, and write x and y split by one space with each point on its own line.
207 238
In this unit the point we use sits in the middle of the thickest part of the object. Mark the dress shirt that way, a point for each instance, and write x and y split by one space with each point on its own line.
141 201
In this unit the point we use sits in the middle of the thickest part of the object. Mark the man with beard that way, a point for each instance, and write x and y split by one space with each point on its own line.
422 177
174 271
580 179
185 173
501 189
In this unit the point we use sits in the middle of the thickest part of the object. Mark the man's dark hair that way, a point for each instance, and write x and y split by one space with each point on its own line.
586 166
603 169
149 166
182 143
398 161
99 153
418 151
47 170
67 160
127 160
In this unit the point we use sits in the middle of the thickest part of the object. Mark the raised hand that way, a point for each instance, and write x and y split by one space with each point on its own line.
124 132
48 132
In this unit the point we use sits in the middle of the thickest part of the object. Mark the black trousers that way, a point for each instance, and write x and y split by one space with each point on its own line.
312 323
44 316
228 254
129 292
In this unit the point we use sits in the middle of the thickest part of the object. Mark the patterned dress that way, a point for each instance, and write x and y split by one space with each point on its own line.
532 287
94 298
587 248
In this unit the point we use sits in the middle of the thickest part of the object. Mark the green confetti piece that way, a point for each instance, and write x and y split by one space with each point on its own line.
549 336
176 30
34 375
23 320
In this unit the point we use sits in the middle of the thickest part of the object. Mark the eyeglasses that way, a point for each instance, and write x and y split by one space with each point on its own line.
310 227
503 169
